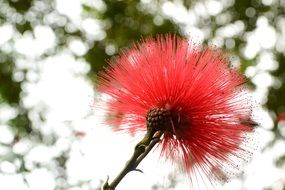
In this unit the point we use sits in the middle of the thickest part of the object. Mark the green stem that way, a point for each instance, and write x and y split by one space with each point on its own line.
140 152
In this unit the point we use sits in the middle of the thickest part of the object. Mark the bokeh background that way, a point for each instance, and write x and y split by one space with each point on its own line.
50 52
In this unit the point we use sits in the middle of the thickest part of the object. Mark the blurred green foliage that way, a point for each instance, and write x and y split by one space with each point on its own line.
125 23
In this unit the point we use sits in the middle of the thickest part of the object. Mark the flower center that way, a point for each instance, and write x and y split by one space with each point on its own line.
158 118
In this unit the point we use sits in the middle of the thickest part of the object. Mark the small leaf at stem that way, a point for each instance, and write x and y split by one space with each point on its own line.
138 170
106 184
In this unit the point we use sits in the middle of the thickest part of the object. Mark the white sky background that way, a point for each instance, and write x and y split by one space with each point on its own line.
68 95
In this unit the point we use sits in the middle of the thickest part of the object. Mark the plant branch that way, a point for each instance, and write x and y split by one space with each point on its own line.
155 140
140 152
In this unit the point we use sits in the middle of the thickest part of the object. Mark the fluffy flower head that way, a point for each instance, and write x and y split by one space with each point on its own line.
207 108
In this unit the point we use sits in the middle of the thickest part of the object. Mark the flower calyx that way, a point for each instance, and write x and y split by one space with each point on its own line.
157 119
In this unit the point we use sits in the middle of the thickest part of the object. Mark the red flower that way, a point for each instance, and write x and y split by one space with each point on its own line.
203 97
281 117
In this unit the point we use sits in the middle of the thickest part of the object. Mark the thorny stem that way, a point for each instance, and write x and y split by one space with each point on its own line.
140 152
